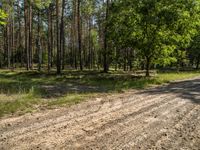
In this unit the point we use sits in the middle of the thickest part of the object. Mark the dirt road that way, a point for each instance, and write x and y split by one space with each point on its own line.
166 117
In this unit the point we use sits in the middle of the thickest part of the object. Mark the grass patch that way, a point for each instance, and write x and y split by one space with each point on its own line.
18 104
117 83
68 100
22 92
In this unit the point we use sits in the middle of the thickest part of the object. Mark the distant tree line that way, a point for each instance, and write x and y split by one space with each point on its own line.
99 34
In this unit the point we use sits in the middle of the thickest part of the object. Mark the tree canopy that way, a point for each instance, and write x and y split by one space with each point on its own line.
154 27
95 34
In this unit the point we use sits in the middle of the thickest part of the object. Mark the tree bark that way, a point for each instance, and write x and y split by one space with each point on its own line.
74 34
49 38
30 34
20 47
39 43
13 37
79 34
198 62
8 46
26 33
62 35
105 62
148 62
90 43
5 44
58 37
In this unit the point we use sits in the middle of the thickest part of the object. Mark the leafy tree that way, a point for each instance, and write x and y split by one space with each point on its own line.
124 34
154 27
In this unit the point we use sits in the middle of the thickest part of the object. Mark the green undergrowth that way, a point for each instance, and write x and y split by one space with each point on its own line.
22 92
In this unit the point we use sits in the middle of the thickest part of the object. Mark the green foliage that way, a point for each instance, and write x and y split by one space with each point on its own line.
41 4
156 28
3 16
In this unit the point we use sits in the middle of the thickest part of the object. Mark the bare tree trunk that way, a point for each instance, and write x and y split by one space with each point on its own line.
5 43
38 43
30 34
26 33
20 36
90 43
131 57
58 38
148 61
79 35
71 46
74 35
13 36
52 38
8 46
62 35
49 38
106 67
198 62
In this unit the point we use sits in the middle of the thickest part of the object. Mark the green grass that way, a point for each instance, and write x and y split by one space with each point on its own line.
22 104
69 100
22 92
124 82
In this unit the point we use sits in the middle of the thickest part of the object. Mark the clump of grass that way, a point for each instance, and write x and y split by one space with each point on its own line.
23 103
166 77
68 100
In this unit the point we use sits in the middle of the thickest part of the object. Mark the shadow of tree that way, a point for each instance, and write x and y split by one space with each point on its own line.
188 90
51 86
45 85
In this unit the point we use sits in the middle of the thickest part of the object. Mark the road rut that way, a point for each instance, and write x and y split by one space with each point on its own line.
164 117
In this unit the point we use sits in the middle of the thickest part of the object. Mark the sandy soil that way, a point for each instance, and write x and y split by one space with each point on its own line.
166 117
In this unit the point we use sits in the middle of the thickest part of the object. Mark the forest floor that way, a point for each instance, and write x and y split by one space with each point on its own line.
162 117
24 92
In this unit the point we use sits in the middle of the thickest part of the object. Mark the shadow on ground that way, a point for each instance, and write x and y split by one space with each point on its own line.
52 86
44 85
189 90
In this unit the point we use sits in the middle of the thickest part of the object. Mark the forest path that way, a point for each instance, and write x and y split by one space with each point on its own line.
164 117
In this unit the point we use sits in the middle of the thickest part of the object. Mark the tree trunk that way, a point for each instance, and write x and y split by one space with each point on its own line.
62 36
74 35
13 37
58 37
79 34
71 59
198 62
39 43
20 37
8 46
105 58
30 34
148 66
49 38
26 33
131 57
5 44
90 43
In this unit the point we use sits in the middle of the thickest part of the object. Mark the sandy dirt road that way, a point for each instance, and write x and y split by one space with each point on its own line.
166 117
